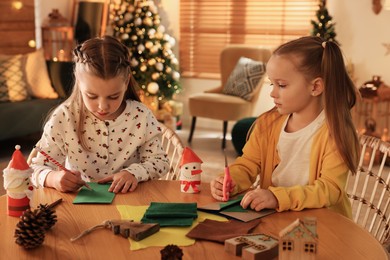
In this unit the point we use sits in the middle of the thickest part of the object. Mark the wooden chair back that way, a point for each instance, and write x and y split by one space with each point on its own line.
369 189
173 147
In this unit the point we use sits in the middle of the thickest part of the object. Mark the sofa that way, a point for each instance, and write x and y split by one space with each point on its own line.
30 88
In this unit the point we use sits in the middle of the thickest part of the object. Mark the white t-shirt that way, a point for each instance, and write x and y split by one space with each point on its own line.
294 152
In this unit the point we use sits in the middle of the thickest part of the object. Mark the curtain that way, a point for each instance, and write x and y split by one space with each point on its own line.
207 26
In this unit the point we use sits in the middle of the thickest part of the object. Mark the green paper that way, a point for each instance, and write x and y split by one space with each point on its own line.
235 208
99 194
171 214
169 222
231 202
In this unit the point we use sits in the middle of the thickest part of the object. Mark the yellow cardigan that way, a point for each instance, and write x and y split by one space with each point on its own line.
327 174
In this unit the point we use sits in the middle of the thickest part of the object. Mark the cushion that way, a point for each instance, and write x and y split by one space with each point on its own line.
244 78
12 84
37 77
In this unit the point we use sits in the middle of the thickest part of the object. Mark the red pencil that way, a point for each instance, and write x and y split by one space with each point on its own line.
57 163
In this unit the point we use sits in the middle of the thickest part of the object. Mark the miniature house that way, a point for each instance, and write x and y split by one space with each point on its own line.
299 240
253 247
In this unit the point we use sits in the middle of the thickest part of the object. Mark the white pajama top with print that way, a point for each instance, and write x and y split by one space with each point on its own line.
130 142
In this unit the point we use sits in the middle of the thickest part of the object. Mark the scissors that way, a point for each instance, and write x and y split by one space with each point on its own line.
227 181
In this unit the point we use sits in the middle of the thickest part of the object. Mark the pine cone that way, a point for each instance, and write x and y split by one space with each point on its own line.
30 231
171 252
48 215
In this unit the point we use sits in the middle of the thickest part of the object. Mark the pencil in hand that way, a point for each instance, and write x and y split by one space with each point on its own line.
54 161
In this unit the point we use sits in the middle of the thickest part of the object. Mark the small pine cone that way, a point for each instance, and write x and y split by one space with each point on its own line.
30 231
171 252
48 215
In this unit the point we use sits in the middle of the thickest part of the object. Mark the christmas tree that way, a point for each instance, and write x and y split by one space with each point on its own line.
155 67
324 27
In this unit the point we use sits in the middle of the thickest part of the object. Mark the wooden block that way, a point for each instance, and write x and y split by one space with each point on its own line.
253 246
234 246
254 253
139 231
135 230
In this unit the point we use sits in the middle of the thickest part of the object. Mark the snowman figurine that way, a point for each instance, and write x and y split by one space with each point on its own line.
190 170
17 184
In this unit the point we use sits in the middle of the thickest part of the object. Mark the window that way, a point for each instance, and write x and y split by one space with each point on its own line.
310 247
207 26
287 245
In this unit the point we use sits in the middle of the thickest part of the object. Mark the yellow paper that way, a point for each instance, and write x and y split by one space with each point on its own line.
166 235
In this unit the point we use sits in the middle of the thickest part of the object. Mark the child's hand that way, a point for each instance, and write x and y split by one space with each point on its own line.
64 181
216 186
122 181
259 199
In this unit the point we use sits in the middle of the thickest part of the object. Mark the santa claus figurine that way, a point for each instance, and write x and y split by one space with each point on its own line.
190 170
17 184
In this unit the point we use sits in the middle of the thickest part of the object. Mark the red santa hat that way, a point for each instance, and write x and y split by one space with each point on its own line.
189 157
18 162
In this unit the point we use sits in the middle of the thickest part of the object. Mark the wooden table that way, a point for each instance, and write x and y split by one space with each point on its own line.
339 237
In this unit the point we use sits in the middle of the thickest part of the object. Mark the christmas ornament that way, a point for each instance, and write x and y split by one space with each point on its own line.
159 66
155 75
141 48
190 170
176 75
149 44
30 231
17 184
153 87
151 62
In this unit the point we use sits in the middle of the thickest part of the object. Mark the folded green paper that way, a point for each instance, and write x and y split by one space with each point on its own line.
171 214
99 194
233 205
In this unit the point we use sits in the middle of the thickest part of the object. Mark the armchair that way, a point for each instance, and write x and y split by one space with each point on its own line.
214 103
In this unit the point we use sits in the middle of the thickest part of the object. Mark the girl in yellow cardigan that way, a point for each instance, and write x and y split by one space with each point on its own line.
303 148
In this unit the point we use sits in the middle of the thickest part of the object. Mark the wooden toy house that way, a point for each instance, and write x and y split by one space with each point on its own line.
253 247
299 240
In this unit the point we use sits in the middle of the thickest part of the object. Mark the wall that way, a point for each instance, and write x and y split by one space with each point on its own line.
17 27
360 32
362 35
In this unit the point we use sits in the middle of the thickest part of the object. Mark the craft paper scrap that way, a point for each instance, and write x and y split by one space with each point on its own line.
166 235
218 206
99 194
233 209
248 215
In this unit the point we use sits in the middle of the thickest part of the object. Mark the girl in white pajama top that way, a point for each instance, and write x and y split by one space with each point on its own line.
102 132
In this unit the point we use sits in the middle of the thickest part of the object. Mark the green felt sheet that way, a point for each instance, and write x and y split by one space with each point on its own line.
99 194
171 214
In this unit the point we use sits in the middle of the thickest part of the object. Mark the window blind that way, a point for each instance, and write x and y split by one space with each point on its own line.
207 26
